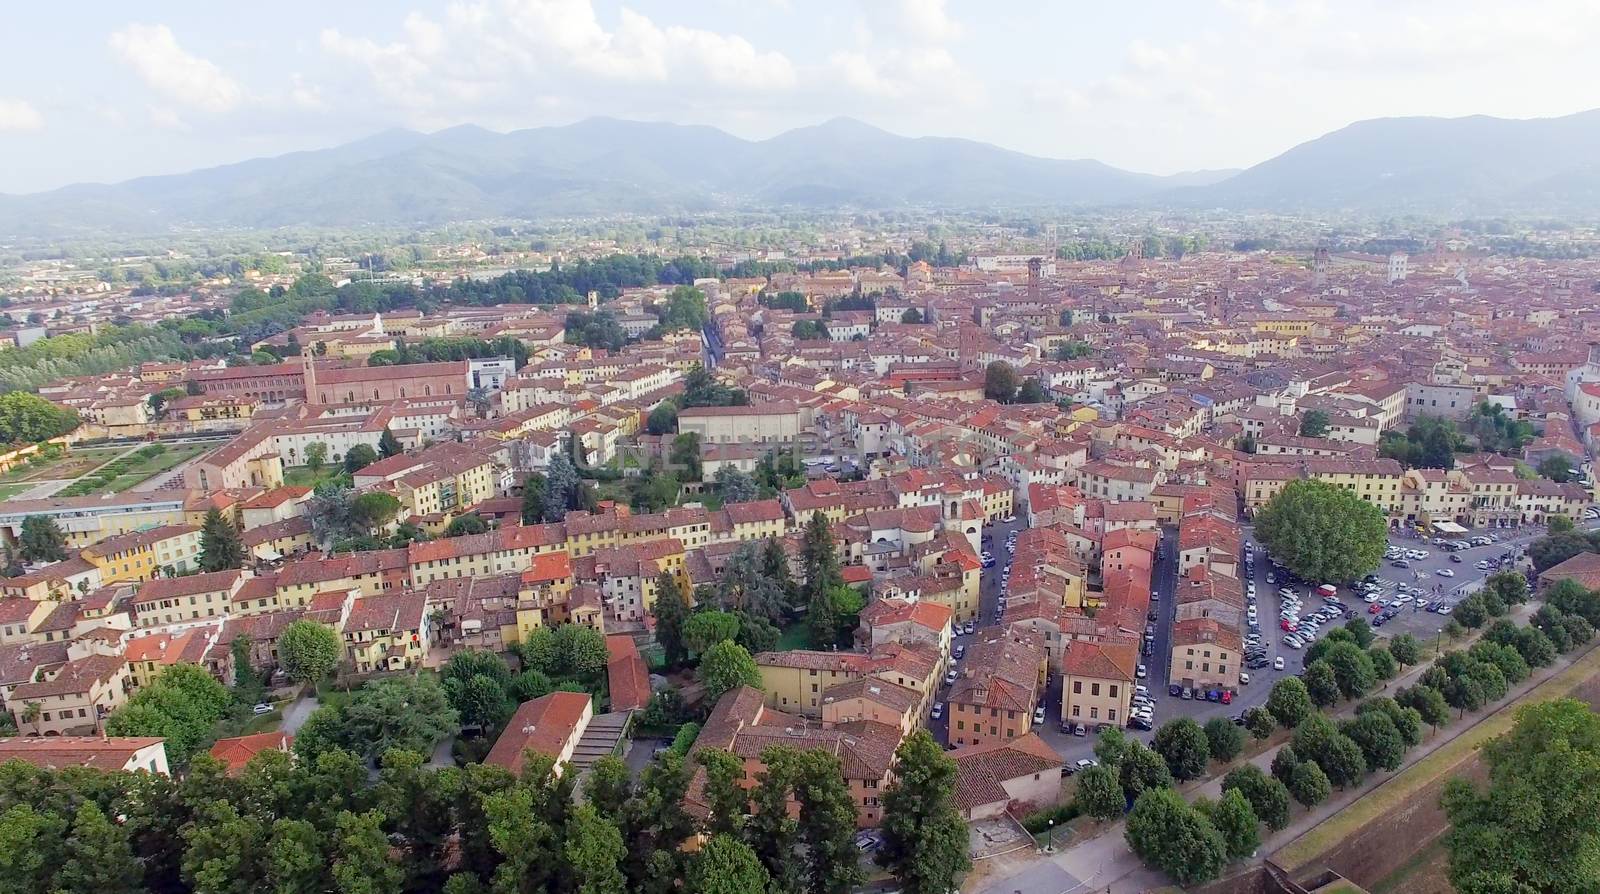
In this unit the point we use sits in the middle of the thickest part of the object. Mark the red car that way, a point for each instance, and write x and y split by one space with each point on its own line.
1285 625
1374 608
1227 697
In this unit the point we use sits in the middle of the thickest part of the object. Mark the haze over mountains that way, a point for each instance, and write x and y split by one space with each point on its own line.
1426 165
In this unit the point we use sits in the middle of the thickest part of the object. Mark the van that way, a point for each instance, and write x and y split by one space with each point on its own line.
1328 591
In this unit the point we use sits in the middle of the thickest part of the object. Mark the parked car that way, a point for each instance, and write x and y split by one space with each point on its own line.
262 708
1174 690
1227 696
1140 672
938 710
1244 679
1187 693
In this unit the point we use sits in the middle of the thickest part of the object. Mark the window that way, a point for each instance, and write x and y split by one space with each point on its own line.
1075 710
1188 665
1094 713
1094 688
1077 687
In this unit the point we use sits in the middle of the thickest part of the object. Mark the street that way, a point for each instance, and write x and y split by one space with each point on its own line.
1423 625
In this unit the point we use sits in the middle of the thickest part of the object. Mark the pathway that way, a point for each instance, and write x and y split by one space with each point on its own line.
1104 863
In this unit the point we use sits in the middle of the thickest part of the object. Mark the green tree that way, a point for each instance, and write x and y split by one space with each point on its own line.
1536 826
1223 739
308 651
1283 764
359 457
388 444
1309 785
911 316
375 509
1322 684
466 525
222 853
822 578
1360 632
28 418
671 614
1100 794
1109 746
221 547
1169 835
685 453
726 865
1268 798
533 499
1141 770
316 455
1260 722
925 839
361 862
1470 612
1290 702
1557 467
663 420
1314 424
1184 746
1236 822
1352 669
1405 649
294 862
1407 721
1318 741
182 704
98 856
725 793
1382 747
1032 391
827 824
735 486
609 787
1384 667
1000 382
771 830
408 713
594 851
727 666
41 540
1322 531
705 629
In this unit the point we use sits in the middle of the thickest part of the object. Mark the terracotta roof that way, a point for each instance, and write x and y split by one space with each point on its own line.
543 725
94 752
982 770
236 752
627 674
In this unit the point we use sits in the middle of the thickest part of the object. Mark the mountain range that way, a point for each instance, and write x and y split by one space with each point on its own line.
597 166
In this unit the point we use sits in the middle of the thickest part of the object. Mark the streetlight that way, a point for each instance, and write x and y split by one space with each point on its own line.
1050 842
1437 634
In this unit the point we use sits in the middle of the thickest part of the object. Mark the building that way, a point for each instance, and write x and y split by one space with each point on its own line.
1205 654
129 754
1097 682
992 777
999 684
550 725
238 751
772 423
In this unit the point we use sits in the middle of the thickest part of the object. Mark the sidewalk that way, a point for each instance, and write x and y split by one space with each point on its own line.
1104 863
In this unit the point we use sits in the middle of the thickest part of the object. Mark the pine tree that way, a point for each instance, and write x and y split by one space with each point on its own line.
220 545
822 576
388 444
924 836
42 540
98 856
670 613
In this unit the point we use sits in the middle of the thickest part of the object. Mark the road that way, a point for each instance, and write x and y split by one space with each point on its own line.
295 715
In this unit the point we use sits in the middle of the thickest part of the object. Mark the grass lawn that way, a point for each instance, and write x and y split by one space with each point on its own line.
301 476
795 636
1427 872
133 468
70 465
7 491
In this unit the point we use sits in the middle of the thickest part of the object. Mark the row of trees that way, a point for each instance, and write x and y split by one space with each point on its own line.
28 418
1000 384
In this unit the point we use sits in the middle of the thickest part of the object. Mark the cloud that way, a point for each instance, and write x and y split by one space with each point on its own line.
19 115
483 55
931 75
927 20
155 56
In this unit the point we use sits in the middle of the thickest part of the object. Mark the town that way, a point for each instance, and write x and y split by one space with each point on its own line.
1010 504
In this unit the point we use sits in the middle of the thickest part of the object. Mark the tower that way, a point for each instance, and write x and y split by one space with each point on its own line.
1319 267
1399 266
308 371
1034 266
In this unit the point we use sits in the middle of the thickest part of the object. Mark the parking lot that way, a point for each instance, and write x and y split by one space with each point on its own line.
1422 575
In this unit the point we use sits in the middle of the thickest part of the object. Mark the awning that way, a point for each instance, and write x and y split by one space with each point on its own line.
267 554
1448 527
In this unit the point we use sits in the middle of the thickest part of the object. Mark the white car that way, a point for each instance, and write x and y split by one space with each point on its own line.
1141 673
1038 715
1244 679
938 710
1445 572
1277 663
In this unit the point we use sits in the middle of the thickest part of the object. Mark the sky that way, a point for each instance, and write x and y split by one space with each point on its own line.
108 91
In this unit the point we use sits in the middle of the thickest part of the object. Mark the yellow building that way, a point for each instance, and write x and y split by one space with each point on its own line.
1097 682
142 555
387 632
174 600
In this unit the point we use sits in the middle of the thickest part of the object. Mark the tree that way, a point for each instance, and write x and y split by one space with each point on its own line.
1382 747
1289 702
663 420
1184 746
1223 739
533 499
671 611
1032 392
827 823
726 865
594 852
28 418
1283 764
1141 770
1309 785
1322 531
1109 747
1236 822
725 793
182 704
98 856
1314 424
1557 467
822 579
1536 826
1470 612
1352 669
1407 721
1318 741
388 444
1169 835
1322 684
1384 667
220 545
359 457
41 540
1405 649
465 525
361 863
705 629
685 453
1260 722
924 836
1268 798
1100 794
408 713
308 651
1360 632
727 666
315 455
999 382
911 316
735 486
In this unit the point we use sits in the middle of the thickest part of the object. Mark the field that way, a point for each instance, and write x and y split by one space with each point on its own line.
132 468
302 476
71 465
7 491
